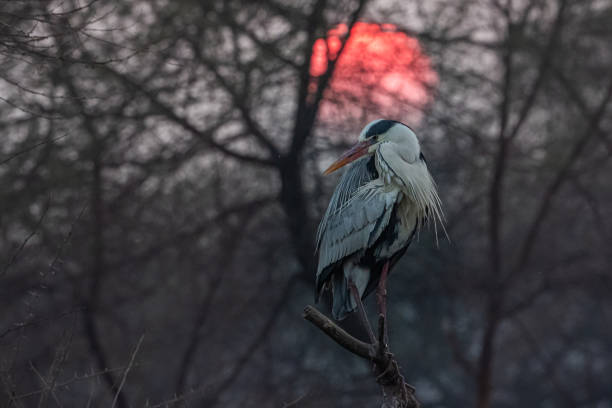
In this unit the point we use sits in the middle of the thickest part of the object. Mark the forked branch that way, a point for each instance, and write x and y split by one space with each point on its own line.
396 392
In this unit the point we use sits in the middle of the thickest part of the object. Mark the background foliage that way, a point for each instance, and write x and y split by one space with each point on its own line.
160 187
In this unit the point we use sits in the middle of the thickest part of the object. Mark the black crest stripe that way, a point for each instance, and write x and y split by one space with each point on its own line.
380 127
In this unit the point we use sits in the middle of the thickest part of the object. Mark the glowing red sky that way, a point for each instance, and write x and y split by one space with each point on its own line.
380 67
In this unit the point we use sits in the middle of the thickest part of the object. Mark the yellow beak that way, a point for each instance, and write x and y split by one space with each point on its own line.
355 152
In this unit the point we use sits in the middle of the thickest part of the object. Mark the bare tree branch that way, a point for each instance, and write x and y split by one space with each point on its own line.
544 67
212 399
206 135
559 179
339 335
396 392
34 146
126 371
25 241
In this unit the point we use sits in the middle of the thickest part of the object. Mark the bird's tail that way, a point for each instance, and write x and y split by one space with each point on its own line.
343 303
343 300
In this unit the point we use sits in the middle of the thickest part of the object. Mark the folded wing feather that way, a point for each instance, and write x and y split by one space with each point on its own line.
358 212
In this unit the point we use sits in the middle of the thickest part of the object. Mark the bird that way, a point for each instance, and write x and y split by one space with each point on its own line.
382 200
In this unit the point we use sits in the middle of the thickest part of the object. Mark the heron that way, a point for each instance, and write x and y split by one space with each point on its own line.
381 201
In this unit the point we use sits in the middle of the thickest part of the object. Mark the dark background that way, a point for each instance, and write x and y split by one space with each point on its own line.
160 186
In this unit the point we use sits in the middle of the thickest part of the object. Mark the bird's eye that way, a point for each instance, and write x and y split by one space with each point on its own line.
371 135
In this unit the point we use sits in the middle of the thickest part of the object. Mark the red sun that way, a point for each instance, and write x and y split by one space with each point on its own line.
380 71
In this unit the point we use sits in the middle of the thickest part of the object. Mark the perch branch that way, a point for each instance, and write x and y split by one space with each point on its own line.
396 392
339 335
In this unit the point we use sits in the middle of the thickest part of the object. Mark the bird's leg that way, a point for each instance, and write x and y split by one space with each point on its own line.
362 313
381 297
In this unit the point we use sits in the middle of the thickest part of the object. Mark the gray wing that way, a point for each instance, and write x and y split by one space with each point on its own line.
358 212
355 176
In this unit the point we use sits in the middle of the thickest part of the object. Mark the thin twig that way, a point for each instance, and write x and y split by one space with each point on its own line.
127 370
61 355
34 146
67 383
46 388
34 231
294 402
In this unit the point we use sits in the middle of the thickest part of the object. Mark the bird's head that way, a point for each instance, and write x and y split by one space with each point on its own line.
374 134
399 161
